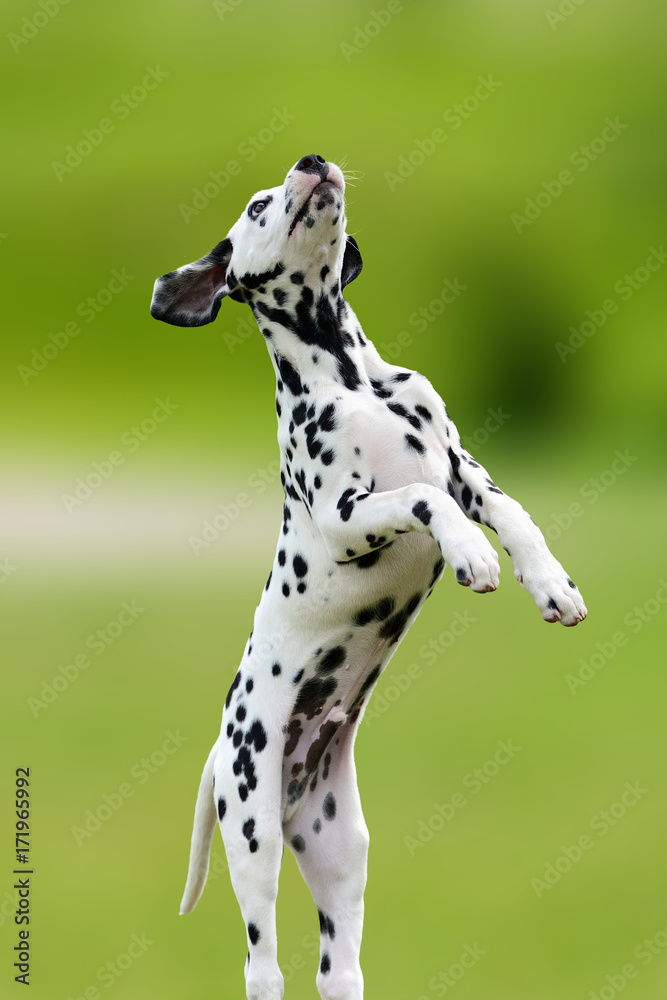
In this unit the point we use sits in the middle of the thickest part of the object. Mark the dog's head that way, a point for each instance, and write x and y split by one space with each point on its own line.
287 235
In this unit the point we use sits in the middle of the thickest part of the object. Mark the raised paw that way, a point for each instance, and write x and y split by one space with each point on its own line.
556 596
475 563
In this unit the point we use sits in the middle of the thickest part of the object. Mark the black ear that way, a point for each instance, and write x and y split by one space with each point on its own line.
191 296
352 262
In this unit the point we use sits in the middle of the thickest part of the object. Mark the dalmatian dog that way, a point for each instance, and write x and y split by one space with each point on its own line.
380 497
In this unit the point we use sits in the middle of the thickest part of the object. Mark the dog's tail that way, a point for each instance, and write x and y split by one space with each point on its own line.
202 835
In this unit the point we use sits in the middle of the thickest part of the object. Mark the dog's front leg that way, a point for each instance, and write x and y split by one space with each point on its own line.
362 522
540 573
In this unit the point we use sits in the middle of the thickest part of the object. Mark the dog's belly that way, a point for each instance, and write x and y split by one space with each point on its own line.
331 642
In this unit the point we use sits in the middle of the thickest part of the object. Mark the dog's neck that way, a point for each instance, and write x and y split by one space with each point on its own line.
313 337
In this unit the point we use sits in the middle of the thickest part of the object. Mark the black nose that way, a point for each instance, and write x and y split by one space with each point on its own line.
313 165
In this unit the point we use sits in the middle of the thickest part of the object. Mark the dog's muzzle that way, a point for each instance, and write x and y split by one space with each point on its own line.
313 165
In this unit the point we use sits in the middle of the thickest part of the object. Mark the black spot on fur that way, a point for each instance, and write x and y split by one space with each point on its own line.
327 928
313 695
255 280
329 806
326 419
395 625
253 933
380 389
437 570
256 736
402 412
414 443
325 964
276 669
376 612
222 809
331 660
293 731
299 414
235 684
422 510
289 375
368 559
299 844
455 463
300 565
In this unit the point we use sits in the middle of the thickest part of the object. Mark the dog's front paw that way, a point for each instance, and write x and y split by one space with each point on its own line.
474 561
556 596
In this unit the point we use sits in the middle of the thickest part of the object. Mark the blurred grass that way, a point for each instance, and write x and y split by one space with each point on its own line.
491 348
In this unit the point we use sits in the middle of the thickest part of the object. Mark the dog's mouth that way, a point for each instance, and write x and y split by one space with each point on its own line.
325 192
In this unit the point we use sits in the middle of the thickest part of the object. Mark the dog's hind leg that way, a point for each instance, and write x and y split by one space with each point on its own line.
247 797
329 838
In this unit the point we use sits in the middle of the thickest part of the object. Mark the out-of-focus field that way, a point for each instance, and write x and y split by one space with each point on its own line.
510 210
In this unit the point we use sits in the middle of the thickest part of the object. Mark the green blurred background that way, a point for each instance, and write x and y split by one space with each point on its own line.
262 84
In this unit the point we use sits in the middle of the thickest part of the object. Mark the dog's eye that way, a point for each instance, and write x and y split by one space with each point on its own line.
257 208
